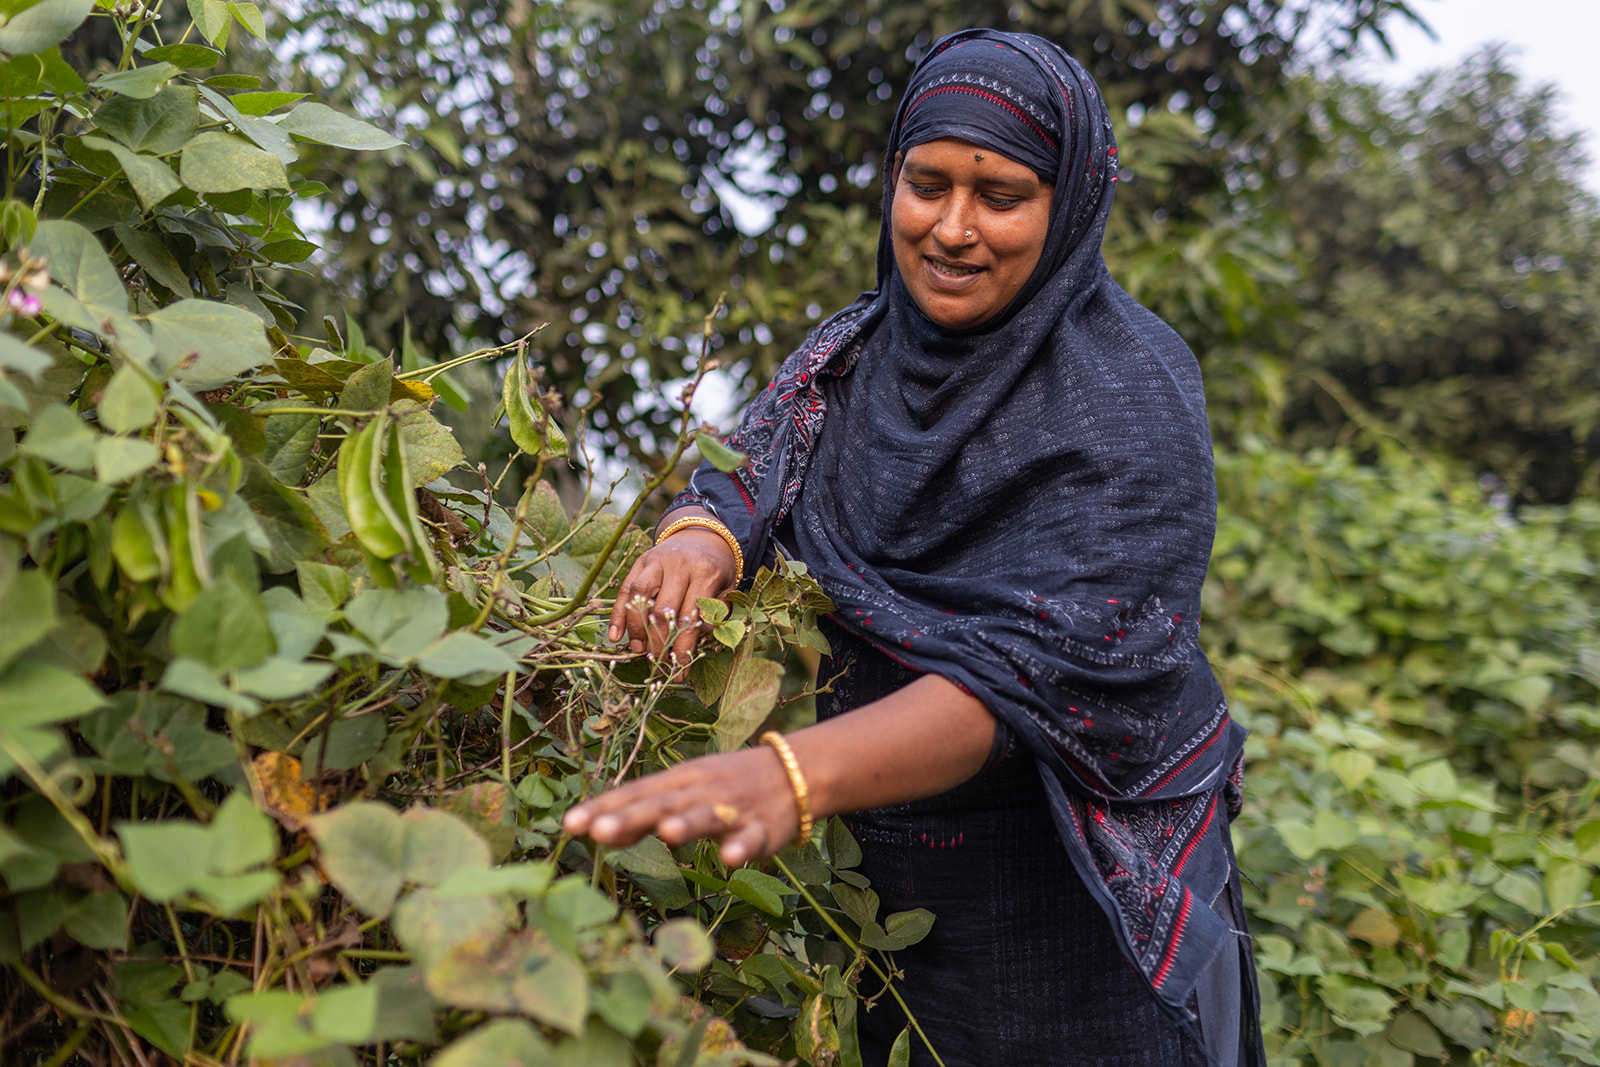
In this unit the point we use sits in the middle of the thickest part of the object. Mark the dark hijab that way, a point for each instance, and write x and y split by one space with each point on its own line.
1026 508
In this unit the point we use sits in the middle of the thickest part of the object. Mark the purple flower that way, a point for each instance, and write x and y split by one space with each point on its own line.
23 303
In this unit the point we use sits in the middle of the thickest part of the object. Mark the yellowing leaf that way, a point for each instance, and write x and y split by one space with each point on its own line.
288 799
1375 927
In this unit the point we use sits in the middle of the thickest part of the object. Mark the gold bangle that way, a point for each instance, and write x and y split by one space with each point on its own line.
707 523
797 781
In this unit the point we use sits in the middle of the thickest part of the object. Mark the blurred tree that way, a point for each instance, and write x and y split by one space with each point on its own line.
610 167
1451 273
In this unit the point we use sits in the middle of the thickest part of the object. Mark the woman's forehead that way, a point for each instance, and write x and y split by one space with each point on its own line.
939 156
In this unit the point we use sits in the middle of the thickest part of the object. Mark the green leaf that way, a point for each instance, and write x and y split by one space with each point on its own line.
1441 898
463 655
42 25
249 16
1522 891
900 1051
152 180
59 436
186 56
497 1043
405 1010
718 454
324 588
351 742
222 163
117 459
400 623
78 263
225 627
1411 1032
164 857
1352 767
291 528
369 387
762 890
684 945
291 250
158 126
843 850
276 678
99 921
208 342
624 1004
35 694
141 83
437 844
1566 884
263 103
203 683
28 606
430 446
346 1014
130 402
747 700
362 847
909 927
22 358
243 837
279 1023
39 914
290 441
321 124
212 18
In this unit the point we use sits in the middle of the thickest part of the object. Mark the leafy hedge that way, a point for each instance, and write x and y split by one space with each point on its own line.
1418 668
288 719
291 704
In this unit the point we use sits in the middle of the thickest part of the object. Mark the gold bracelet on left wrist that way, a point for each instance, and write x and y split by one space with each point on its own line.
706 522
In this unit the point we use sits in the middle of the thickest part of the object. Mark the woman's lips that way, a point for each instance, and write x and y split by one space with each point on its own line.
952 275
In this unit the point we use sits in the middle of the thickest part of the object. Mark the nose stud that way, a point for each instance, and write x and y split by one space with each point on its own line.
969 235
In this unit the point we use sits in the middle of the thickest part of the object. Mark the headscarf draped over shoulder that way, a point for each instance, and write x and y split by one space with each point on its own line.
1026 508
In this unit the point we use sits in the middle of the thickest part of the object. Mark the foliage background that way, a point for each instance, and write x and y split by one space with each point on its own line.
301 666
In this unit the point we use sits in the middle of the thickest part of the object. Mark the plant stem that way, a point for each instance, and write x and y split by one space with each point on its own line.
56 1000
858 950
69 1046
90 195
103 850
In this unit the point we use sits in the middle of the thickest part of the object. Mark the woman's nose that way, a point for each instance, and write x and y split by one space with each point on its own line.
956 228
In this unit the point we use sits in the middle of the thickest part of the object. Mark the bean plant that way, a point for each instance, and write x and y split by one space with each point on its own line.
291 700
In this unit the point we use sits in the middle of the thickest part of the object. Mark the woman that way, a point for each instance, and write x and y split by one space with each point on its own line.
998 466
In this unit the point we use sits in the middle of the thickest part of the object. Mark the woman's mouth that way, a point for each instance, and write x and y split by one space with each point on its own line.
953 270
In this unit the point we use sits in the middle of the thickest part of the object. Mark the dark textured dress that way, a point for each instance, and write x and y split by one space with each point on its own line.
1021 968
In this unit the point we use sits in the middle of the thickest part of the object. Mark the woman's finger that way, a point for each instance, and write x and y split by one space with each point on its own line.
667 613
623 826
702 820
625 592
751 842
635 599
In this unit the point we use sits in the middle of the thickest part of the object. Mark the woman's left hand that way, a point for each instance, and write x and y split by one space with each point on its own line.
741 799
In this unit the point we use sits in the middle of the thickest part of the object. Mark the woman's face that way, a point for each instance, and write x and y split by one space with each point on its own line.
968 226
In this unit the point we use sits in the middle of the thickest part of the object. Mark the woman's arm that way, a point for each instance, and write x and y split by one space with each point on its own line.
919 741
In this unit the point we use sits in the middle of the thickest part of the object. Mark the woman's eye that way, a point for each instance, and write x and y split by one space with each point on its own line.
924 190
1002 203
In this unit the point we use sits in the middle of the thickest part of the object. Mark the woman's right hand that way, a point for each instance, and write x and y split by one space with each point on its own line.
659 600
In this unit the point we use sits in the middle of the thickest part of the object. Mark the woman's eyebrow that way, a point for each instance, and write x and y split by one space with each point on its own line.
1019 185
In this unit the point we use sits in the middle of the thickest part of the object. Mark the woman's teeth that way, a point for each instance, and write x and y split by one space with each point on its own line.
953 270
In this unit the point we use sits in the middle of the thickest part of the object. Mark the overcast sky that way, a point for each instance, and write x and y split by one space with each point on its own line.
1552 41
